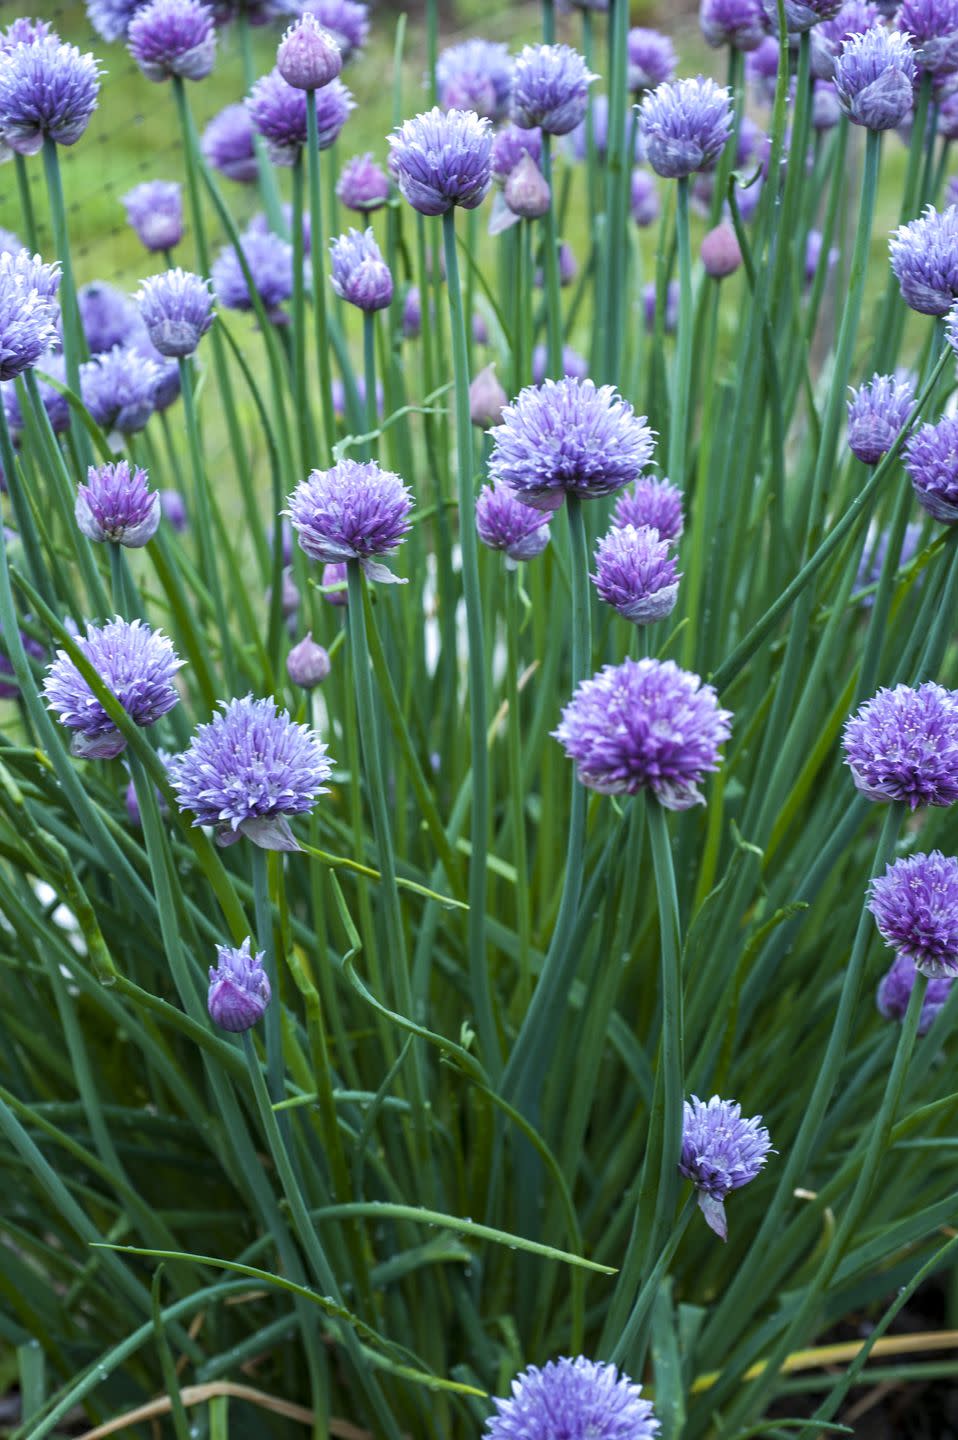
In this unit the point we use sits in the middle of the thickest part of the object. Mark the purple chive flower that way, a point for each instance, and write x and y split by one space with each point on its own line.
333 583
504 523
721 254
9 686
685 124
173 37
239 991
346 20
270 262
645 725
876 415
308 56
47 89
526 192
800 14
574 365
550 88
23 31
227 145
915 905
902 745
894 993
924 257
826 108
174 511
358 272
486 399
875 77
570 436
653 502
278 113
721 1152
177 310
135 663
508 147
10 242
933 28
167 387
930 459
827 38
362 184
739 23
247 770
574 1398
117 505
636 574
652 59
441 159
650 299
108 317
307 663
354 511
29 315
118 389
645 199
475 75
155 211
111 18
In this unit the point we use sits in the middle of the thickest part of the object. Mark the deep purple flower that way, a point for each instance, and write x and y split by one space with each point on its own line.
876 415
931 459
487 399
924 256
177 310
800 14
827 38
362 184
903 746
577 1399
573 364
526 192
721 253
118 389
111 18
174 509
875 77
652 59
721 1152
894 993
135 663
308 56
346 20
685 124
239 991
508 147
645 725
117 505
739 23
550 88
354 511
826 108
504 523
247 770
155 211
108 317
333 583
933 27
53 401
173 37
358 272
915 905
568 436
29 315
475 75
9 685
441 159
270 262
227 144
651 502
47 89
278 113
636 574
650 297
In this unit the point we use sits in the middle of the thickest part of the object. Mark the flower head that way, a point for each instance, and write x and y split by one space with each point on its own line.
177 310
645 725
915 905
721 1152
118 388
568 435
475 75
441 159
359 273
826 108
902 745
111 18
135 663
931 459
362 185
29 315
924 257
652 59
509 146
504 523
117 505
933 28
247 770
894 993
307 663
173 37
827 38
108 316
550 88
761 68
685 124
346 20
227 144
576 1398
278 113
270 262
308 56
739 23
636 574
651 502
875 78
239 990
800 14
721 253
354 511
876 415
23 31
155 211
486 398
47 89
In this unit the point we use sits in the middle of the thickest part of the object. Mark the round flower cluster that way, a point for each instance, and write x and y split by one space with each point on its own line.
504 523
441 159
930 462
353 511
876 416
685 124
636 574
177 310
155 211
894 993
574 1398
47 89
475 75
550 88
651 502
359 273
170 38
721 1152
902 746
117 505
29 314
239 990
924 257
915 904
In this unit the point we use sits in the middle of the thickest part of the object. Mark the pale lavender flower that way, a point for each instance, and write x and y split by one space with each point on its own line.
346 20
826 107
650 300
174 509
526 192
117 505
875 77
173 37
504 523
308 56
739 23
47 90
441 159
800 14
644 199
307 663
155 211
486 398
761 68
721 1152
652 59
685 124
636 574
227 145
924 257
894 993
573 364
509 146
651 502
10 242
813 255
118 387
362 184
247 770
931 459
29 315
827 38
876 415
568 436
23 31
550 88
412 313
278 113
9 685
576 1399
645 725
111 18
721 254
902 746
933 28
475 75
239 992
358 272
177 310
270 262
108 316
333 583
135 663
915 905
353 511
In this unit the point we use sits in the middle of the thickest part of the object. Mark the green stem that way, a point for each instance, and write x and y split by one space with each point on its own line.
678 415
299 320
74 345
319 273
26 204
263 913
551 268
517 791
369 376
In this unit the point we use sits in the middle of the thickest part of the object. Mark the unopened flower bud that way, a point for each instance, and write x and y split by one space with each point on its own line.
486 399
308 56
307 664
527 192
239 990
721 255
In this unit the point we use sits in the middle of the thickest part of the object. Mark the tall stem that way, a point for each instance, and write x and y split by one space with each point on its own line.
264 939
369 376
553 287
517 790
74 343
316 252
299 319
678 415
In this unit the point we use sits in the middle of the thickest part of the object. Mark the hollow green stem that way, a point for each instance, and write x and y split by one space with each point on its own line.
301 405
517 792
369 375
265 941
551 269
319 273
678 414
